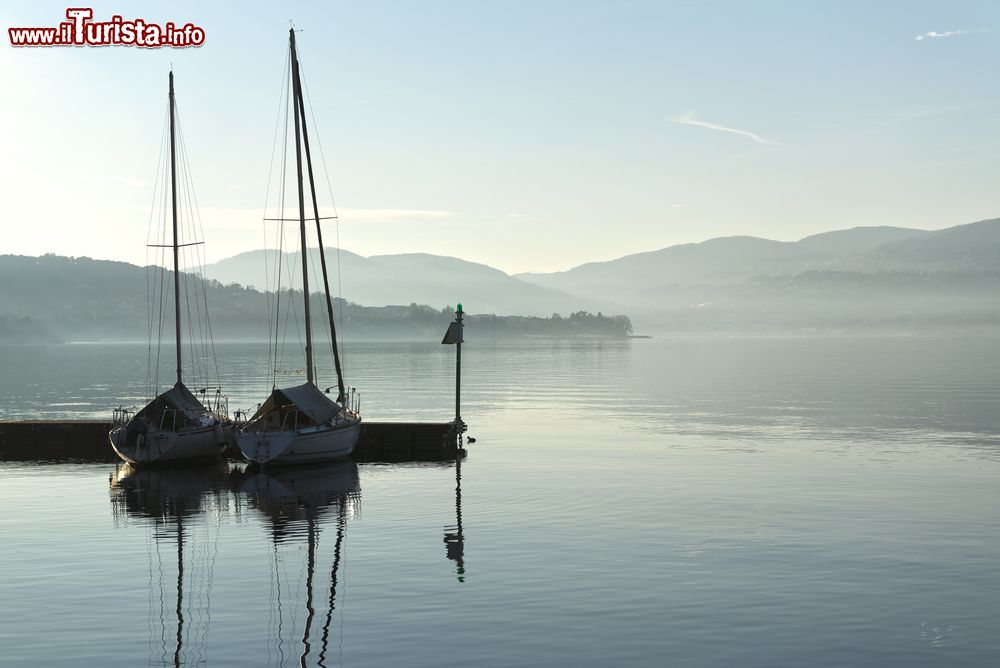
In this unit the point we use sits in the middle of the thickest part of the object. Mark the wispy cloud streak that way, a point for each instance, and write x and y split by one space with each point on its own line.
125 181
393 215
935 34
690 119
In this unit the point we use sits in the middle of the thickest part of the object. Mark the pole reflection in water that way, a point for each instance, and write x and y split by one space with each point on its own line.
296 503
170 499
454 537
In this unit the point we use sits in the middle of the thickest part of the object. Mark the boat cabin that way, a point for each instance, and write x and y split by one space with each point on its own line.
294 408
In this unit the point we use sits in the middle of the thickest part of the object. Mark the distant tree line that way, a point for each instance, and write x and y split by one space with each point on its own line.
581 323
417 318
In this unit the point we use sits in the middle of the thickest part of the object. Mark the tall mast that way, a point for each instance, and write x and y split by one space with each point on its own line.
342 395
173 197
296 93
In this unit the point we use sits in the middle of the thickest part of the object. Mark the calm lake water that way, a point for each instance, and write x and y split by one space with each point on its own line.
726 502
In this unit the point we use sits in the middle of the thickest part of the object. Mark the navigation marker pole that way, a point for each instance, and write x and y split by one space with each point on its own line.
454 336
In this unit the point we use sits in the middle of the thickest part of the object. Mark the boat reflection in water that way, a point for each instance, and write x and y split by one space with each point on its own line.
297 503
171 499
304 513
167 493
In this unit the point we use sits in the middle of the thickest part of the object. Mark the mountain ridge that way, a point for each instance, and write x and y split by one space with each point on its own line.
867 277
636 279
406 278
627 281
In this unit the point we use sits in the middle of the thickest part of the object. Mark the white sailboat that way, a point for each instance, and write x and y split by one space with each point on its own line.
302 424
175 426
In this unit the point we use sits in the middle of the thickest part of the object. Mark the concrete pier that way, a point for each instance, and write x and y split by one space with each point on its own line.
87 441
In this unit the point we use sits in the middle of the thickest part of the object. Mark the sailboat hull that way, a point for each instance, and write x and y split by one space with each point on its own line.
318 444
169 447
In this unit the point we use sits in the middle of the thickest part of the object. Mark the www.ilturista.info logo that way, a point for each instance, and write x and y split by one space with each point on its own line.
81 30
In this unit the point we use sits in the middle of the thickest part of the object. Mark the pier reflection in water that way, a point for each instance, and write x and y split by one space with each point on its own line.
304 513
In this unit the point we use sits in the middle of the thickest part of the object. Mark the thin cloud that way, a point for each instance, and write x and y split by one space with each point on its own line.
238 218
689 119
934 34
393 215
125 181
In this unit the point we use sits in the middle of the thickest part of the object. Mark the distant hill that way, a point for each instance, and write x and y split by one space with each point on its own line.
856 241
403 279
972 247
256 269
81 298
663 278
866 278
654 279
53 298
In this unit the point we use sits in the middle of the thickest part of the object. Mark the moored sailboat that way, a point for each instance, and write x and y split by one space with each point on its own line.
302 424
175 426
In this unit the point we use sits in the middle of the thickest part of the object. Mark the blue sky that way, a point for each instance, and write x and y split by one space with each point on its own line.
532 136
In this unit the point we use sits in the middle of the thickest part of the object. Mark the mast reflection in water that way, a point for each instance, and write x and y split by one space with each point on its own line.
295 502
171 499
185 510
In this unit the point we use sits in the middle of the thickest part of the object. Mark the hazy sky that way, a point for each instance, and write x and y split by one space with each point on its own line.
529 135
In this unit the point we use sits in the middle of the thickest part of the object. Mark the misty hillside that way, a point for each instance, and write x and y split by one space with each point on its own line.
653 279
402 279
972 247
863 278
256 269
678 276
857 240
71 298
831 301
53 298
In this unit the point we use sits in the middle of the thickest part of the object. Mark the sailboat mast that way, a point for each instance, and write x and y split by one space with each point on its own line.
342 395
296 93
173 197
